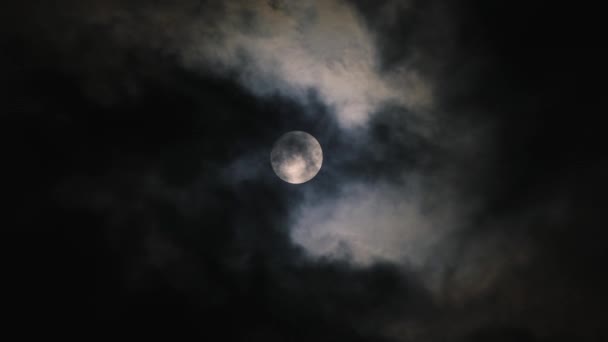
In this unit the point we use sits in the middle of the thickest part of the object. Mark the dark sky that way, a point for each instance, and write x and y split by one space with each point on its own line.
461 198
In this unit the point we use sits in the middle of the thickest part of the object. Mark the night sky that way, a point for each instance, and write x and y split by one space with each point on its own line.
462 195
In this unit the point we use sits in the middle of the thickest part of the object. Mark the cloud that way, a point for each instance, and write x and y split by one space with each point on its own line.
289 49
374 222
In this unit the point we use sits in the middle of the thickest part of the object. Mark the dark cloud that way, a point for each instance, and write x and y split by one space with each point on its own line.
143 203
525 77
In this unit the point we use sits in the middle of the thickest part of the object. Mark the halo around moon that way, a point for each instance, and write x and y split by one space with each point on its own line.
296 157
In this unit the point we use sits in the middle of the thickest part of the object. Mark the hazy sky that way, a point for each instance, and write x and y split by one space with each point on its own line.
460 197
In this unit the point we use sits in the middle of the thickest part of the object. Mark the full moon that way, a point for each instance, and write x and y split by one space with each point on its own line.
296 157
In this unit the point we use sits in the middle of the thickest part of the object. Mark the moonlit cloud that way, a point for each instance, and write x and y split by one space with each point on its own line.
373 222
272 47
300 46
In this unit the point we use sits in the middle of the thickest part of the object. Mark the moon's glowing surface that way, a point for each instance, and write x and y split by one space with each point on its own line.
296 157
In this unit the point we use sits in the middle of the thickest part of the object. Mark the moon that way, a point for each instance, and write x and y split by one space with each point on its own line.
296 157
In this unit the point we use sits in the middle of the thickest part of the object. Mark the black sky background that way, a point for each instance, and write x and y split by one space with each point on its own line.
127 216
